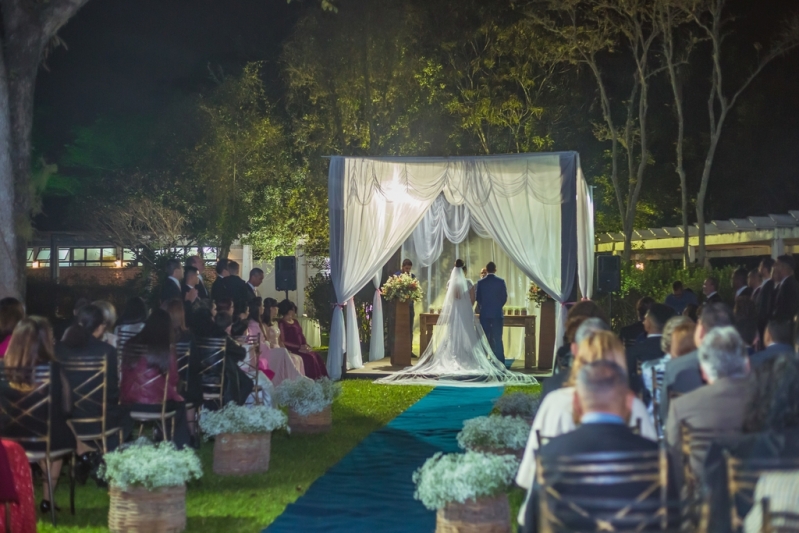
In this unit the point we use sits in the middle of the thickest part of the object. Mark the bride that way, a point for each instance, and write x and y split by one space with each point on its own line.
459 353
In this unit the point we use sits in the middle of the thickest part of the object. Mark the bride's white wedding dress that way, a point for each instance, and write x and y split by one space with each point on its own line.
459 353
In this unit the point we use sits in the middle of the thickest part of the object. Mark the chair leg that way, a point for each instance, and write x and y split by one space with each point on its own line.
50 491
8 517
72 461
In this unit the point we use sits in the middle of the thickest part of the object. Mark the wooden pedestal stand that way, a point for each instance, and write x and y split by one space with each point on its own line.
546 345
401 348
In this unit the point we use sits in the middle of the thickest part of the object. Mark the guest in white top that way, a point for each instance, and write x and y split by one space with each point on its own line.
109 319
556 414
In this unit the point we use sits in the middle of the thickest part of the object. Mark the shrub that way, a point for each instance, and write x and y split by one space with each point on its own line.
496 432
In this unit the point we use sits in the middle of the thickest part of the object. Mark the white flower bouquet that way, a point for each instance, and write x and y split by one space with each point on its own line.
242 419
304 396
494 432
459 477
403 288
518 404
151 466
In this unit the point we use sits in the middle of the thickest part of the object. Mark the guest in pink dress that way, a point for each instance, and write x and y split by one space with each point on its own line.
11 312
294 340
286 365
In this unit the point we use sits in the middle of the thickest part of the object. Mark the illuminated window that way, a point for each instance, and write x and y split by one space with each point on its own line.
209 254
128 255
93 254
43 255
30 255
109 254
79 254
63 254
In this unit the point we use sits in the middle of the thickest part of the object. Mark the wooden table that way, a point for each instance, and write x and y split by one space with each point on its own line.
428 320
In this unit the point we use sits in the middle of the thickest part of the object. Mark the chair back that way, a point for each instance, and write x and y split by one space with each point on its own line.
606 491
636 429
124 334
742 478
657 381
88 378
212 368
778 521
26 405
182 356
253 345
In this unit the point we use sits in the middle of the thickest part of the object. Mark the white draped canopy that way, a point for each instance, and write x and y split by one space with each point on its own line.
536 207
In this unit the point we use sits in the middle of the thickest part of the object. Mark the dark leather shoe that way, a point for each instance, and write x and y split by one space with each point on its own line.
44 507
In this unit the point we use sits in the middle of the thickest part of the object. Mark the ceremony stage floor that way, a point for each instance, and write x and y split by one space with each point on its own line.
382 368
371 489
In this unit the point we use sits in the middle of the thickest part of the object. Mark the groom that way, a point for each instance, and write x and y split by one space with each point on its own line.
491 295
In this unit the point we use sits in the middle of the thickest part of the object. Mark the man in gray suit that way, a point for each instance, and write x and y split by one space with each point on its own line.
717 408
682 374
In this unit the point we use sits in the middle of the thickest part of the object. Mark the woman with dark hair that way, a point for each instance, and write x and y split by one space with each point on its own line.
31 346
149 365
131 321
294 341
191 389
285 365
11 312
82 339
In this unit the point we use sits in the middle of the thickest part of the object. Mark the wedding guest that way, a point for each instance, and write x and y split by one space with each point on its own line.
691 311
190 384
109 320
710 289
131 321
31 346
148 367
197 262
786 289
255 366
679 297
219 289
650 348
581 310
636 332
285 364
740 283
172 287
764 295
578 328
294 340
556 414
778 338
677 340
745 318
253 282
754 281
237 288
483 272
11 312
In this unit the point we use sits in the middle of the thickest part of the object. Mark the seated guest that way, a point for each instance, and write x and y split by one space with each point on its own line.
679 298
172 287
577 313
710 288
254 366
785 303
677 340
650 349
718 407
131 321
109 319
190 386
683 375
603 404
82 339
31 346
294 341
11 312
777 341
578 329
556 415
148 366
285 364
635 332
770 430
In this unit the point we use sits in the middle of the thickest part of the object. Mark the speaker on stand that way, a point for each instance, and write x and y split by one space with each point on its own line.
286 274
608 276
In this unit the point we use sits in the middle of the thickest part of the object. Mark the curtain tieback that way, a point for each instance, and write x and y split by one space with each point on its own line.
340 306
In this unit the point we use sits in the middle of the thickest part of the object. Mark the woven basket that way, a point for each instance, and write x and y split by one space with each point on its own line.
484 515
238 454
320 422
138 510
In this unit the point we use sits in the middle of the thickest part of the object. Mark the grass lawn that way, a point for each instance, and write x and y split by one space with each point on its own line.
250 503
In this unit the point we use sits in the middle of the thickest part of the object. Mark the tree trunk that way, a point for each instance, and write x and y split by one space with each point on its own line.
9 283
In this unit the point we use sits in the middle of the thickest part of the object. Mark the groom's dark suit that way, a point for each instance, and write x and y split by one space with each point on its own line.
491 295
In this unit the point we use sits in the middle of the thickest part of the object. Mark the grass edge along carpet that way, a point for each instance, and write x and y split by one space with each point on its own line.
371 489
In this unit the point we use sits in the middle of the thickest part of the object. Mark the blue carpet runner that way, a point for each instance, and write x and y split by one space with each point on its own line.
370 489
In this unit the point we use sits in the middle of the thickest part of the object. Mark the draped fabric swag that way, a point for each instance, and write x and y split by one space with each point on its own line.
535 206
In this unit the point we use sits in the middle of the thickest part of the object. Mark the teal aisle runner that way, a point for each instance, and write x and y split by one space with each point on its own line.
370 489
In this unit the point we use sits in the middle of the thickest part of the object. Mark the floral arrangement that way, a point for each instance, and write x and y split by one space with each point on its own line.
403 288
518 404
497 432
457 477
536 294
305 396
148 465
242 419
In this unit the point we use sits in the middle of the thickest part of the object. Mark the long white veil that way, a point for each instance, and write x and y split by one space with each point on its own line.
459 353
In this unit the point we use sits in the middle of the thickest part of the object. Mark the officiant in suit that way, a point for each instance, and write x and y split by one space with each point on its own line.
491 295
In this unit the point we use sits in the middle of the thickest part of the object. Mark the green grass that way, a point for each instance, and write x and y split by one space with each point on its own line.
250 503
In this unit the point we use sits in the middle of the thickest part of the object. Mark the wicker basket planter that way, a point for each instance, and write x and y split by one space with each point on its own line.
238 454
320 422
484 515
138 510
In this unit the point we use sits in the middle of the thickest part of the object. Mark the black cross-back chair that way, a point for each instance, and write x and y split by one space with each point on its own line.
26 409
89 420
129 360
212 369
742 477
605 491
694 441
542 439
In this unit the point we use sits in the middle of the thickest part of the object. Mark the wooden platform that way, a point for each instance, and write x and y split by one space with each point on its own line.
382 368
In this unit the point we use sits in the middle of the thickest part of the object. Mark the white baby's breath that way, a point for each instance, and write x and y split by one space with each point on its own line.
304 396
494 432
152 466
518 404
241 419
460 477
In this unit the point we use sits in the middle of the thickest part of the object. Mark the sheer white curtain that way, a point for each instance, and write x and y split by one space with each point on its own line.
377 350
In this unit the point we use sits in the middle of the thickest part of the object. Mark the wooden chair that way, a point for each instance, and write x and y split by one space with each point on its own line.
143 418
693 442
212 369
182 355
26 414
90 400
636 429
742 477
606 491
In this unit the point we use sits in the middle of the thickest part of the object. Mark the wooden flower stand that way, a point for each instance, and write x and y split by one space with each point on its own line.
546 345
239 454
484 515
401 348
138 510
320 422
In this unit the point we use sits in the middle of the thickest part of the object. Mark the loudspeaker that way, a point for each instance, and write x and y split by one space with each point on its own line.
608 273
286 273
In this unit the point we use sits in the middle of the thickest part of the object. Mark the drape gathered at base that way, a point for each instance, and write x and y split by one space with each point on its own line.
377 349
527 203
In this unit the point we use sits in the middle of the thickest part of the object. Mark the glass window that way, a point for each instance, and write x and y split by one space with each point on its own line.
43 255
79 254
109 254
209 254
193 250
93 264
30 255
63 254
93 254
128 255
65 264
